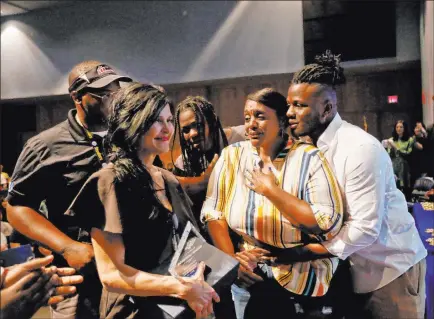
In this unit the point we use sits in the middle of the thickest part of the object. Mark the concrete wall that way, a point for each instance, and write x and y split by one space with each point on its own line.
166 41
162 41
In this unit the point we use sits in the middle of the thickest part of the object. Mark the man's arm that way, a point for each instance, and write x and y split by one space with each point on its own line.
365 189
36 227
320 212
31 171
367 172
302 253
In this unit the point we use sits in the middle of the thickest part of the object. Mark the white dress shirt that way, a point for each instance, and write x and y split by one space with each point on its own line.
379 235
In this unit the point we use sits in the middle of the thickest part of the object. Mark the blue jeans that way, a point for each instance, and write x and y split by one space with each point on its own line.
241 297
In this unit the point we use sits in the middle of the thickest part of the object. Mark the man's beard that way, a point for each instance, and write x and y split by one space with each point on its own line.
97 115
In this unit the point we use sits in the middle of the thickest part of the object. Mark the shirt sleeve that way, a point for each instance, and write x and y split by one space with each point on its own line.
32 177
323 195
215 202
368 169
408 148
96 205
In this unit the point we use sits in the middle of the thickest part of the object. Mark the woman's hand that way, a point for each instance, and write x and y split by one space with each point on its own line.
248 260
259 182
198 294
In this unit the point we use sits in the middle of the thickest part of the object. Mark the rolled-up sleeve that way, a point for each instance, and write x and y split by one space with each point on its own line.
365 189
215 202
32 177
323 195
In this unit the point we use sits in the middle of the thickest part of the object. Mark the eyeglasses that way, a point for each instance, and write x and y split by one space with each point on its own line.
103 96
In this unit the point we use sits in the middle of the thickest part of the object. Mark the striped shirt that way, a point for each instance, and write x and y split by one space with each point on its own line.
301 170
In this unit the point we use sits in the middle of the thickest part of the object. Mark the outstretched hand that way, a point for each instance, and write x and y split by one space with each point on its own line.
211 165
19 271
65 280
248 260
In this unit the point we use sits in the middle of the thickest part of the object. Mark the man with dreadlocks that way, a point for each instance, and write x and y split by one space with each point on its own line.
202 138
379 236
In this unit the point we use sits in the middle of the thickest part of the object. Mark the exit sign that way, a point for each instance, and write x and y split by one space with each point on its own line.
391 99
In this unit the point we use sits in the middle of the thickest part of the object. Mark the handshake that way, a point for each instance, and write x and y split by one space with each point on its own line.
28 286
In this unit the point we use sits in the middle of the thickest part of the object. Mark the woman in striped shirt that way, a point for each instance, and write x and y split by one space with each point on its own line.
275 195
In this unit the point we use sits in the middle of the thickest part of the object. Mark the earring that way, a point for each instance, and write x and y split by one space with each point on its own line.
283 134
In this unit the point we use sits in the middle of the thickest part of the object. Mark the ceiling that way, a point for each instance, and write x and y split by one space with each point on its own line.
19 7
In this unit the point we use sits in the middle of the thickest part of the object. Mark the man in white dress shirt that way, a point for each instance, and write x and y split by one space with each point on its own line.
379 236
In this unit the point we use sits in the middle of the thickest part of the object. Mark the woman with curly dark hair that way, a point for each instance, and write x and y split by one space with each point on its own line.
135 212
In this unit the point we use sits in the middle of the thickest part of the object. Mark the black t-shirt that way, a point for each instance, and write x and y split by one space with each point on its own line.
146 227
53 166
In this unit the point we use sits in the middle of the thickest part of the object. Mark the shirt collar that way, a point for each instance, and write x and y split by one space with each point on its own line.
76 130
328 135
280 157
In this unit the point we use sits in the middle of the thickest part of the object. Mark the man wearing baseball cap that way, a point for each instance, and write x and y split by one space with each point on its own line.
52 168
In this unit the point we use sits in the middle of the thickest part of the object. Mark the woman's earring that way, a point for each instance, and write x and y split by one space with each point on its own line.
283 134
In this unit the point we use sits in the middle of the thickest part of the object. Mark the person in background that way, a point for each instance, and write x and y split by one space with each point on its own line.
138 212
61 159
202 138
275 196
420 157
26 287
399 147
379 236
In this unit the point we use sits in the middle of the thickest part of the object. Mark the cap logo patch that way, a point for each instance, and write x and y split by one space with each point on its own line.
104 69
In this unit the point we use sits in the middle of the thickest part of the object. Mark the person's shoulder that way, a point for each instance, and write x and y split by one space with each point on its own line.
353 137
303 148
50 136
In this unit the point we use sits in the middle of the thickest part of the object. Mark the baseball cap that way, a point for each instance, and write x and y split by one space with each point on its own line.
96 78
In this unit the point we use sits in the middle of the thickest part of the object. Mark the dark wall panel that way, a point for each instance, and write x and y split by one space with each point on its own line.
364 96
356 29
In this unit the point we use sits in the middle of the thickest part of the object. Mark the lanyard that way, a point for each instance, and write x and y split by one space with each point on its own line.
93 142
95 146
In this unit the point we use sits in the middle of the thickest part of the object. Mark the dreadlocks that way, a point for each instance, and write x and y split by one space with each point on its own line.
196 161
326 70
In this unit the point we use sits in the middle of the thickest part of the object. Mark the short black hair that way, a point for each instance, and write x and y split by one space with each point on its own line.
326 70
